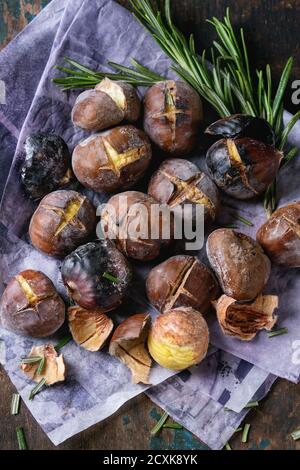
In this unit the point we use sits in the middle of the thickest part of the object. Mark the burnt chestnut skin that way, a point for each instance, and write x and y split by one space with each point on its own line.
280 236
127 219
115 159
243 125
172 116
84 275
239 263
243 168
47 164
31 306
178 182
62 221
181 281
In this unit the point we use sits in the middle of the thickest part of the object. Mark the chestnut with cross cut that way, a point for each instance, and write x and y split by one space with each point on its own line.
115 159
172 116
280 236
181 281
178 182
243 168
107 105
62 221
31 306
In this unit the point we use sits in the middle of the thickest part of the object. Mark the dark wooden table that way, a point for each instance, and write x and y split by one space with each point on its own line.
272 27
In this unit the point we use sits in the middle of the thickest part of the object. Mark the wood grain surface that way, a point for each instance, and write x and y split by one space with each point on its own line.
272 29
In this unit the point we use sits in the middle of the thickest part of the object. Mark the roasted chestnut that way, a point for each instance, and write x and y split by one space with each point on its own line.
280 236
244 320
31 306
181 281
62 221
239 263
172 116
243 125
178 182
96 275
128 343
53 367
115 159
47 164
107 105
90 328
140 226
178 339
243 168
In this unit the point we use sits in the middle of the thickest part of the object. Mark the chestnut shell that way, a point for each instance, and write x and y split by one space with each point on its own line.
82 273
243 168
280 236
38 316
243 125
47 164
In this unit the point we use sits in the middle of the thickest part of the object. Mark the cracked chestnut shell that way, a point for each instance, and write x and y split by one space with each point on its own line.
172 116
47 164
239 263
280 236
89 328
181 281
243 125
179 338
136 224
128 343
88 274
62 221
106 106
178 182
245 320
244 167
31 306
115 159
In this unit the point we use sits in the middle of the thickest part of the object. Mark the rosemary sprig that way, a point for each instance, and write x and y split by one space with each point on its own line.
281 331
37 388
172 426
159 424
31 360
21 438
242 219
296 435
111 278
63 342
245 433
41 366
15 404
252 404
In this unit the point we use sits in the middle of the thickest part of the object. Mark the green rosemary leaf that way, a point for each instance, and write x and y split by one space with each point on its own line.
41 366
62 343
245 433
289 156
238 430
21 438
31 360
15 404
282 86
287 130
37 388
242 219
252 404
227 446
296 435
159 424
281 331
172 426
111 278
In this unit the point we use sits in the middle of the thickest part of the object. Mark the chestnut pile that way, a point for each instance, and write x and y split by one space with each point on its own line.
242 162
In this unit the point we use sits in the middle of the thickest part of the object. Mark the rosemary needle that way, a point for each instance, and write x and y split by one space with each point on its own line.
296 435
15 404
245 433
31 360
172 426
242 219
111 278
21 438
227 446
281 331
41 366
63 342
159 424
252 404
37 388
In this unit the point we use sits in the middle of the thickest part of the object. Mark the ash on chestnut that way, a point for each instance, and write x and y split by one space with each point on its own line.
239 263
62 221
178 182
181 281
31 306
139 226
115 159
47 164
243 168
84 273
280 236
172 116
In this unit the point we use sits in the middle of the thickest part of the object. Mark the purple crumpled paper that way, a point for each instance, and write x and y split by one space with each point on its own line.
92 33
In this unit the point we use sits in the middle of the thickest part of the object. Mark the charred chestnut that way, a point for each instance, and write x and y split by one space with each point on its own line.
239 263
107 105
243 168
31 306
47 164
115 159
280 236
172 116
243 125
181 281
179 182
62 221
96 275
140 226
